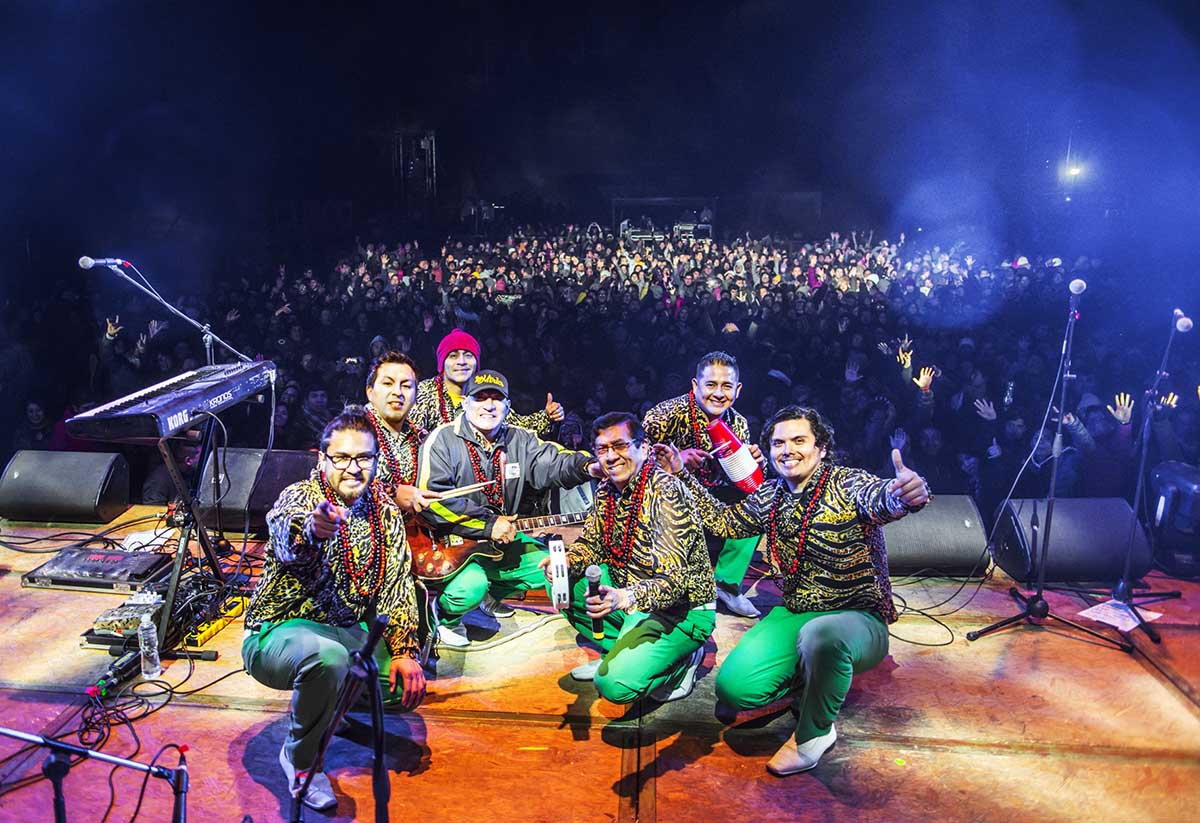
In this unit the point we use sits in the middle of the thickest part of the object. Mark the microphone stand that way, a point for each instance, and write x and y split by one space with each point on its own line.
1034 606
1123 591
58 763
363 673
188 517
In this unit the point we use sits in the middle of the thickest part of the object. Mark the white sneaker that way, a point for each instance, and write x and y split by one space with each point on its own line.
686 685
737 603
320 792
455 636
496 608
587 671
793 758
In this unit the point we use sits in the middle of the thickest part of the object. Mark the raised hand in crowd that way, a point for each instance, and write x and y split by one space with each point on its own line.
899 440
994 450
1168 401
851 373
1124 409
112 327
155 328
985 409
924 381
232 315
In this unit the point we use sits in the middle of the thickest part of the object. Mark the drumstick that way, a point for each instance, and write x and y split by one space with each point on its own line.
462 490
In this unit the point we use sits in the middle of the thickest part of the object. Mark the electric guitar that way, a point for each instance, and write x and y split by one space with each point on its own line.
437 557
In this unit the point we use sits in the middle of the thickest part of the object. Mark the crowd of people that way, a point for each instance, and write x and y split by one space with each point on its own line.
945 356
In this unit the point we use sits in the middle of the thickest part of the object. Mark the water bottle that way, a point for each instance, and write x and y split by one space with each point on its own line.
148 643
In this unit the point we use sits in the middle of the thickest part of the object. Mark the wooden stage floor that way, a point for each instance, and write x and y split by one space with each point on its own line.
1032 721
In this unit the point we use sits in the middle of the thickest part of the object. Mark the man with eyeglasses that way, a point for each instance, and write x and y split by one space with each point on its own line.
481 447
657 597
682 422
439 399
824 543
337 556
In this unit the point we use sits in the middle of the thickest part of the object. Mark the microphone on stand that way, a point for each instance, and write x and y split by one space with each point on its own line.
592 573
1183 323
1077 287
86 262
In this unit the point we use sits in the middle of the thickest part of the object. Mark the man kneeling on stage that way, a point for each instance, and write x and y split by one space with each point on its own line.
657 599
337 556
825 545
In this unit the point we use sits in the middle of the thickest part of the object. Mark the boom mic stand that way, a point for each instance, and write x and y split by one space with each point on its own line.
1123 592
363 674
188 515
1034 606
58 763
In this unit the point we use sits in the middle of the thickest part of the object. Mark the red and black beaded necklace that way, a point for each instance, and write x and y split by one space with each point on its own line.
620 555
389 456
773 520
707 473
443 411
493 492
365 577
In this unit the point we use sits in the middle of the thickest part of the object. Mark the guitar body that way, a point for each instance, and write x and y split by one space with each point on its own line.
438 557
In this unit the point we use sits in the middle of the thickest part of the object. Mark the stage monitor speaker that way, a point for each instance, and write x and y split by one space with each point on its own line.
1088 539
70 487
281 469
944 539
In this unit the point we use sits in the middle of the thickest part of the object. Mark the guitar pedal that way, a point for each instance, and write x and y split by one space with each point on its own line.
560 585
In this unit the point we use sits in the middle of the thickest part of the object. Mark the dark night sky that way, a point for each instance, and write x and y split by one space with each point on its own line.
904 111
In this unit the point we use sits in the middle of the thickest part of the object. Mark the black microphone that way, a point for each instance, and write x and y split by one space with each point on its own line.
1183 323
86 262
593 578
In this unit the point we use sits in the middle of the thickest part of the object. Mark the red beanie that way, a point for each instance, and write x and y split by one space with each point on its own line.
455 340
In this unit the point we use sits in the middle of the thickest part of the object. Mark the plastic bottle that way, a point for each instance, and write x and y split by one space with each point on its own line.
148 643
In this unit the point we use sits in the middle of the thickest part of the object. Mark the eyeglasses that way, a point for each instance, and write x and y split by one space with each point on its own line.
341 462
620 447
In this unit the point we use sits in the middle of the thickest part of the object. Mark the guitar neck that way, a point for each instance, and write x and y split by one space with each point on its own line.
550 520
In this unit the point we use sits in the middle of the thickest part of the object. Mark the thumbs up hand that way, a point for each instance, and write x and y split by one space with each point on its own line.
909 487
554 409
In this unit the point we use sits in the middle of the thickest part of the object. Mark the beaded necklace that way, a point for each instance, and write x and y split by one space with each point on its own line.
621 554
365 577
773 520
389 456
493 492
443 411
707 473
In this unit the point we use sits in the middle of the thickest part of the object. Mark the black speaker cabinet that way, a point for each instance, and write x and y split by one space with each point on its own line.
70 487
945 539
241 493
1088 539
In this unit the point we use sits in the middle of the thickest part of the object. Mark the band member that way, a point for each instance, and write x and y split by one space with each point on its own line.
683 422
337 554
824 543
391 390
480 447
439 399
657 599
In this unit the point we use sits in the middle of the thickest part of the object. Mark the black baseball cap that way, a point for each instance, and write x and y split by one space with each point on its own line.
487 379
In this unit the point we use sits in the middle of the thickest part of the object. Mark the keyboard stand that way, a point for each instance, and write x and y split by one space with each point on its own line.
188 520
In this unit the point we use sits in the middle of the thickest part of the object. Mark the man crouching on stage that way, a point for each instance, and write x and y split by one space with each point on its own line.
337 556
825 545
657 598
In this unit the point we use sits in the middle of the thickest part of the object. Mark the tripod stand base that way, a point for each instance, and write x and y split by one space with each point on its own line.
1035 607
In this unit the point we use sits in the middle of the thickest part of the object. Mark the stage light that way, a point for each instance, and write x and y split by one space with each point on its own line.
1068 198
1075 171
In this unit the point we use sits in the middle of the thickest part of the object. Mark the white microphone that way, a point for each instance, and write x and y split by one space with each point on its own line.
86 262
1077 287
1183 323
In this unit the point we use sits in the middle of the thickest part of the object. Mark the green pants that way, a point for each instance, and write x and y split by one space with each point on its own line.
816 653
642 651
310 659
516 571
733 559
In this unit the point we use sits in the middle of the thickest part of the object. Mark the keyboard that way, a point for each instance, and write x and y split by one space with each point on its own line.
175 404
